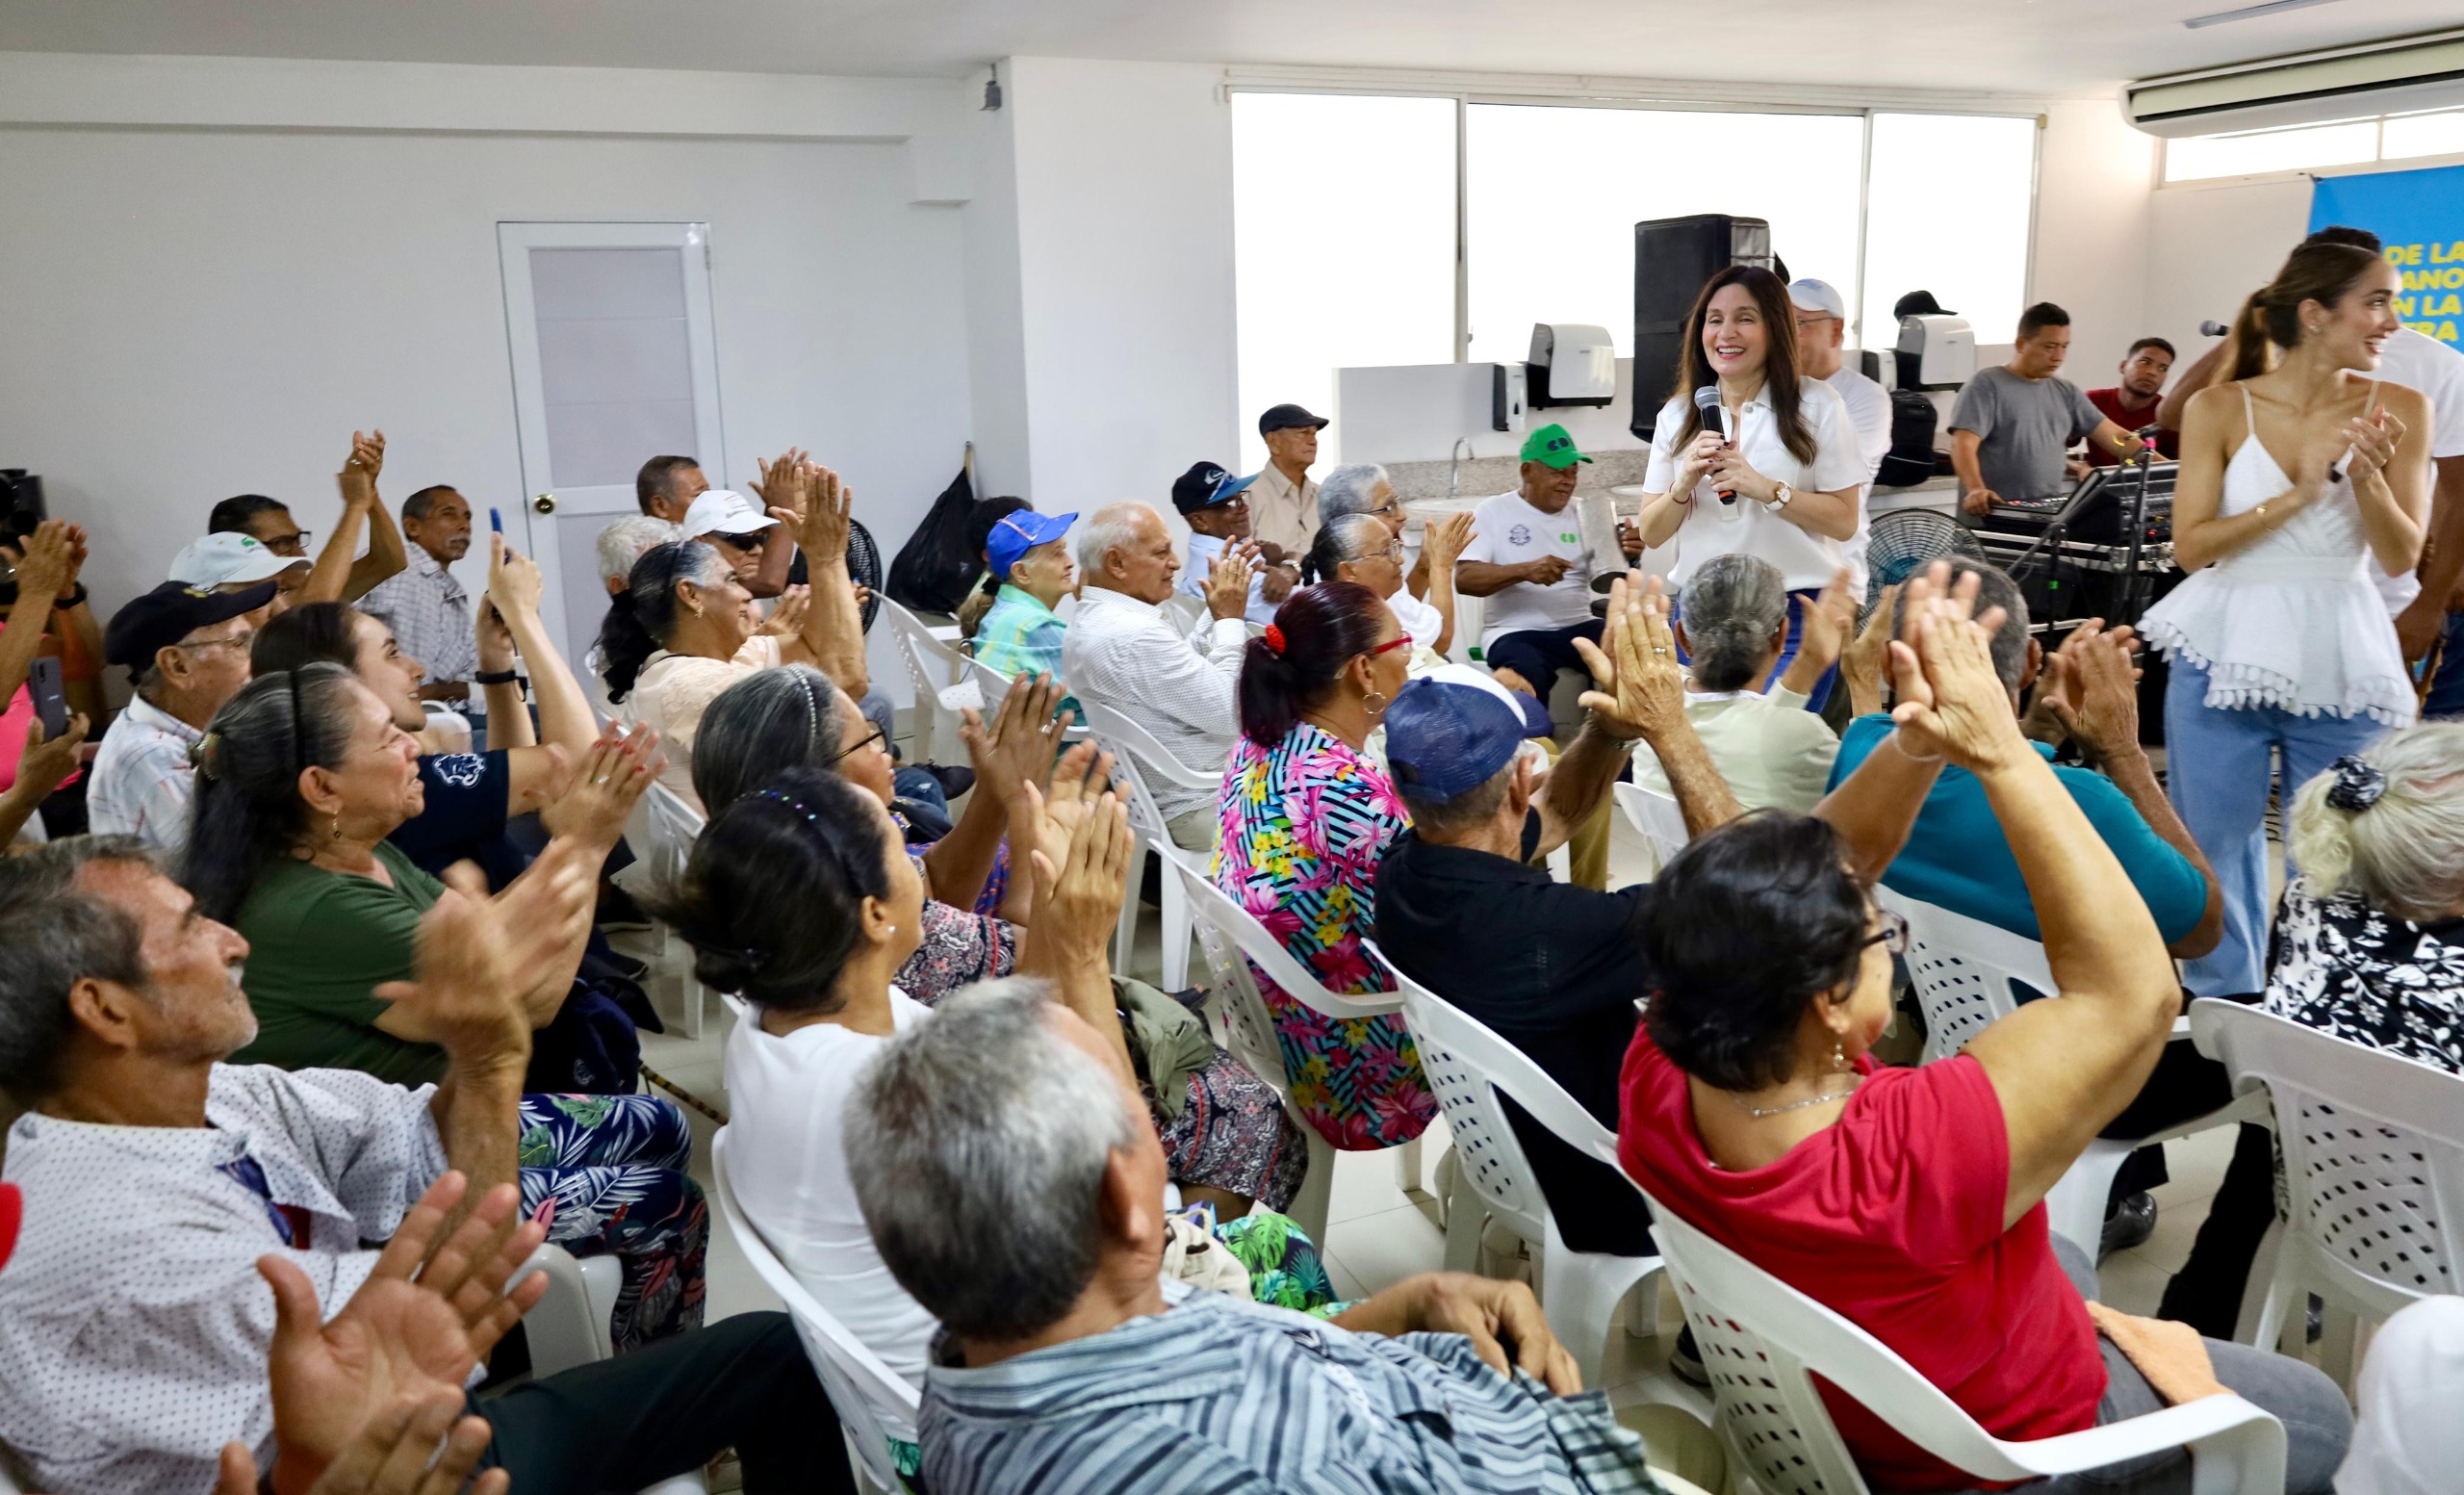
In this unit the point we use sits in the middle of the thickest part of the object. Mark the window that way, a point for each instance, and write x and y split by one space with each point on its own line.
2254 151
1947 210
1343 226
2421 134
1551 195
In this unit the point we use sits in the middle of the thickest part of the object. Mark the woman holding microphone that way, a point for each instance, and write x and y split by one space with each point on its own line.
2278 643
1781 479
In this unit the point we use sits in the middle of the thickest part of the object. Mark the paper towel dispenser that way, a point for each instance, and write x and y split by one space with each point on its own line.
1572 364
1937 350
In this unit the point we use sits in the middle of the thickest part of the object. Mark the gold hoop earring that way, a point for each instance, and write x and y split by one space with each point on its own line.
1380 700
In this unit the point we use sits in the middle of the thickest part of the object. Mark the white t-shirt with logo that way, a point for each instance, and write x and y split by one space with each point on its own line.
1507 531
2418 361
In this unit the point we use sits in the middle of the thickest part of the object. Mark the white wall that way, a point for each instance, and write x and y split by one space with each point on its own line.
2213 246
201 311
1124 251
2095 175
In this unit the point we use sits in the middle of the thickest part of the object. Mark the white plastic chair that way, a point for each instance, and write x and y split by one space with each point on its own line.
1763 1342
661 830
569 1328
1962 970
1135 755
874 1402
2373 1168
1225 932
932 665
1469 1066
1656 814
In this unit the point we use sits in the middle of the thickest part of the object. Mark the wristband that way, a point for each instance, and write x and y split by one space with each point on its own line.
496 678
74 597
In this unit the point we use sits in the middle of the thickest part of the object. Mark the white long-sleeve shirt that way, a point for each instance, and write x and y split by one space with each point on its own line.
1183 689
133 1324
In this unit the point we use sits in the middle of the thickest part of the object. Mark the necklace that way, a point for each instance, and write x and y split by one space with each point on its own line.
1760 1112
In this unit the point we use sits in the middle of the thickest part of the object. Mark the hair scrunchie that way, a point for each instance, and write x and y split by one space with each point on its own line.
1274 636
2357 786
206 755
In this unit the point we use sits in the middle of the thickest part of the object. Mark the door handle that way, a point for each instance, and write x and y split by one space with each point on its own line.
545 503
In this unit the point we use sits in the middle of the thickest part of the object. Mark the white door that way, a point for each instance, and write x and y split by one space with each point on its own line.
614 362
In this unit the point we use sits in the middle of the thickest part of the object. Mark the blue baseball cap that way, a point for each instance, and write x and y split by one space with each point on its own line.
1015 535
1452 730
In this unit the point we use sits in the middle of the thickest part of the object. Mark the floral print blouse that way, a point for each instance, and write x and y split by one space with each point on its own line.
1304 825
2369 978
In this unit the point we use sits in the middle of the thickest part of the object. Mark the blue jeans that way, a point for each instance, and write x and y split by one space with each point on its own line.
2447 695
2220 766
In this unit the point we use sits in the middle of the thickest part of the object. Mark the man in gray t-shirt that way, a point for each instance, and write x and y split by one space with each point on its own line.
2012 426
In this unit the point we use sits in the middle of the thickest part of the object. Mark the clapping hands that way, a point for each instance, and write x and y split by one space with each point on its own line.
598 797
1951 700
1640 691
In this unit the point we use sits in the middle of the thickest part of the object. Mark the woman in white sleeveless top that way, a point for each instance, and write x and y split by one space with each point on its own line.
2292 477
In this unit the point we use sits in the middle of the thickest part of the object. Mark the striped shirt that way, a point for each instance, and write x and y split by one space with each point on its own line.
1219 1396
142 782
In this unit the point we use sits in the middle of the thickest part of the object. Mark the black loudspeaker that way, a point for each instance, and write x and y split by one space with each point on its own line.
1673 256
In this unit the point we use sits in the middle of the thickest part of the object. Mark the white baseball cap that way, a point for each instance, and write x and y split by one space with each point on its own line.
723 511
1818 296
222 559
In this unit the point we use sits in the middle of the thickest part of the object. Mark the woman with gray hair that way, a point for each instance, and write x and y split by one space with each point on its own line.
1361 546
1732 623
2370 939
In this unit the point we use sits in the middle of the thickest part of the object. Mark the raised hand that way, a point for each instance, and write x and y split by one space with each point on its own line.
496 650
1078 898
1862 662
825 517
47 566
368 453
432 1307
619 768
2374 439
1640 691
2097 700
465 990
782 485
787 618
514 583
1443 543
1227 579
1951 701
46 762
1828 620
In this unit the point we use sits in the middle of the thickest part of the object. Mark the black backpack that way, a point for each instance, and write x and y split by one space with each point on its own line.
1910 460
934 567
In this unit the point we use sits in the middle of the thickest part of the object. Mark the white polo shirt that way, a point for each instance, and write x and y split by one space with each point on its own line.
1710 527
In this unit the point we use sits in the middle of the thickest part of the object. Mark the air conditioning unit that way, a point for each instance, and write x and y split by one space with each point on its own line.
2370 78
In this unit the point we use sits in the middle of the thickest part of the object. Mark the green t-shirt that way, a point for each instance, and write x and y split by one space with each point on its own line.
320 943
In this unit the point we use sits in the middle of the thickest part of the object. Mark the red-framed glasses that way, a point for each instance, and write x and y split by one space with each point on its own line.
1397 642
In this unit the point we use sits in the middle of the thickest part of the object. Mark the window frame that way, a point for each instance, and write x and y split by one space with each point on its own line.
1464 97
2380 160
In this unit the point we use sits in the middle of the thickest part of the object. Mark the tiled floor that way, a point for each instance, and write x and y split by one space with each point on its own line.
1378 1235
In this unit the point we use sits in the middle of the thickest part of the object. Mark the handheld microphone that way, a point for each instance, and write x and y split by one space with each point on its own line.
1706 402
2213 330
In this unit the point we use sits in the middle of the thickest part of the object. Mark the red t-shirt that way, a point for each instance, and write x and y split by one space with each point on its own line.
1892 1218
2169 443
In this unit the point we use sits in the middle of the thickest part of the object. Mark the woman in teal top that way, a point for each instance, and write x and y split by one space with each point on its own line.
300 779
1020 636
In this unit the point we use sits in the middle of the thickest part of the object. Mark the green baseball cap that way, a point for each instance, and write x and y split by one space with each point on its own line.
1552 445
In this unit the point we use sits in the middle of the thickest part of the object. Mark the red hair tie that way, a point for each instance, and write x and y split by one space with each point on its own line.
1274 639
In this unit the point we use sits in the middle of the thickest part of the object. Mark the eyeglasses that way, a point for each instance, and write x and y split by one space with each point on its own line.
1387 647
1894 935
235 641
875 739
294 544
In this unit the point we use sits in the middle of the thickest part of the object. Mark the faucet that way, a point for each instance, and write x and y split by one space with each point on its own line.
1455 466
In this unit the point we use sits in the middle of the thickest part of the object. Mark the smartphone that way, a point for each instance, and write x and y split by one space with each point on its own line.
496 518
42 682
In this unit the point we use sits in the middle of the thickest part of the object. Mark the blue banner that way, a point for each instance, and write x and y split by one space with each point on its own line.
2420 216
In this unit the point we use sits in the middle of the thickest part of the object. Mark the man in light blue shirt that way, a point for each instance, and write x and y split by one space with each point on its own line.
1217 506
1028 1215
1022 635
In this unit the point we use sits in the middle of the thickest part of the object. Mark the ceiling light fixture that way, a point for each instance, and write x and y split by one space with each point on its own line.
2252 12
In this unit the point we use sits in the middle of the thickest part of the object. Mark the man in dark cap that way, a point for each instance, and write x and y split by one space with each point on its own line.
1283 503
1217 508
187 649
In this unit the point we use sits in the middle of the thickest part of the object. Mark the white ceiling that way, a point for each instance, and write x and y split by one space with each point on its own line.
2033 46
